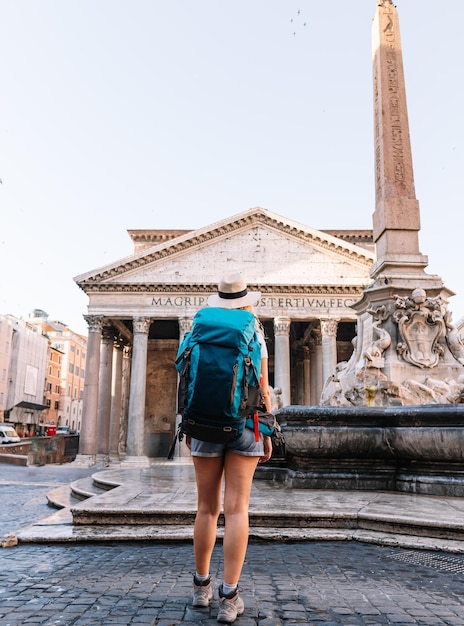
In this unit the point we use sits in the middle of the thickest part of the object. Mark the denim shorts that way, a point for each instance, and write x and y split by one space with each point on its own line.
245 445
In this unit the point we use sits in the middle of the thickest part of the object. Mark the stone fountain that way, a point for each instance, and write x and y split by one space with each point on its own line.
391 417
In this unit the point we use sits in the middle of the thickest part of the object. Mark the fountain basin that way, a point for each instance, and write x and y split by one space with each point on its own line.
405 448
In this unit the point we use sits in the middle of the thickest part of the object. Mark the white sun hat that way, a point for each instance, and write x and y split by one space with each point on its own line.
233 293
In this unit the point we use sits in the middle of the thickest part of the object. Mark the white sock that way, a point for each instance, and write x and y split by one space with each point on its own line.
228 589
201 577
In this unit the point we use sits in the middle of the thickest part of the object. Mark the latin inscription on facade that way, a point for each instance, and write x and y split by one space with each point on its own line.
271 302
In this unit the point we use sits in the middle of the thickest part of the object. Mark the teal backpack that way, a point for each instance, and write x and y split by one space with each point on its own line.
219 365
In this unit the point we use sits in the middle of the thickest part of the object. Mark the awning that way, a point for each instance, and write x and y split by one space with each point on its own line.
25 404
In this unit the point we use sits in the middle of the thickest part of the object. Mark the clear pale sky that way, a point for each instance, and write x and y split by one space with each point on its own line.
124 114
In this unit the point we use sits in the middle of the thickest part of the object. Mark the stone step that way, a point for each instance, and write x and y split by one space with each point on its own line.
160 502
329 520
61 497
162 499
67 496
176 514
88 487
55 530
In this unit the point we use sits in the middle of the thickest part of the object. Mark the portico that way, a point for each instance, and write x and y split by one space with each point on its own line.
140 308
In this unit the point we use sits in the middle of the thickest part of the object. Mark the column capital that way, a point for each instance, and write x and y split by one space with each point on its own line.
282 325
108 333
329 327
94 322
141 324
185 325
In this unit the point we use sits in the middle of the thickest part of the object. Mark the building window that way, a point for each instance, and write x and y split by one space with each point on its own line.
77 370
73 348
48 402
57 404
71 368
82 373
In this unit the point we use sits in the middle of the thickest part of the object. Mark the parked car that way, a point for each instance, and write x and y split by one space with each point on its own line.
65 430
8 434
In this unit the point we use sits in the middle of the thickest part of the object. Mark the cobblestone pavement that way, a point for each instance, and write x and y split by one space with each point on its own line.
23 492
328 583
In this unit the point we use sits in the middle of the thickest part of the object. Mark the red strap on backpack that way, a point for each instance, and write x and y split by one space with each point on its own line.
255 416
256 426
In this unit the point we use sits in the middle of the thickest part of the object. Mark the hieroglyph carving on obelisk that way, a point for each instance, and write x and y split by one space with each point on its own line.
396 220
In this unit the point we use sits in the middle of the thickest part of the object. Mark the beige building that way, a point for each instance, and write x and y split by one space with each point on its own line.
52 393
64 383
73 364
141 306
23 359
42 369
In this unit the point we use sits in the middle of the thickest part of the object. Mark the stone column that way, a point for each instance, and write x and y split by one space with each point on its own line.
88 432
313 384
104 393
307 375
282 357
329 348
116 401
126 377
136 423
316 398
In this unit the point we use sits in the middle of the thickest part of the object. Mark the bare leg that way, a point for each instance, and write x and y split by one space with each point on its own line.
239 471
208 472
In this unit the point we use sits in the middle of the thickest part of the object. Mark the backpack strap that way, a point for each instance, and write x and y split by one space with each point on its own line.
258 382
183 377
247 364
179 436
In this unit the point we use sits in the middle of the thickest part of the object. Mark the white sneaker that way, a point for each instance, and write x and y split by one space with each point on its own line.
230 608
202 592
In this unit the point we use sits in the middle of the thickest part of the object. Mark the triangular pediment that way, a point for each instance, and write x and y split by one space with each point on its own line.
267 248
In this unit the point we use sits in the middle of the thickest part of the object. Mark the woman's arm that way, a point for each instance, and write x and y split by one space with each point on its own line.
265 384
267 402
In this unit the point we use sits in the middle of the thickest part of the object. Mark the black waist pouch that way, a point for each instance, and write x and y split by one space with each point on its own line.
208 432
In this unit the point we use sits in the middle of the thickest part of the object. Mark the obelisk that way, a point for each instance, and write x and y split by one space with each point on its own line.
396 220
405 338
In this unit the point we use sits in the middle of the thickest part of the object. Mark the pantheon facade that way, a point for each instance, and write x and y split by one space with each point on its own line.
141 306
